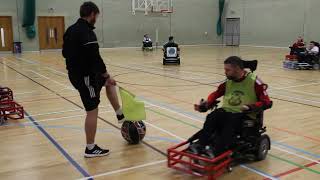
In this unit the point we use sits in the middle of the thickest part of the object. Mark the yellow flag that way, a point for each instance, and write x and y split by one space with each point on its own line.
133 110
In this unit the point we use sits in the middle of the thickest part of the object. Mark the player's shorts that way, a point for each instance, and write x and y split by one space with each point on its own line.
89 88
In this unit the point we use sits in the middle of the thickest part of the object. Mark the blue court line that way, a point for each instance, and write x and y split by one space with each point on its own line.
55 127
162 139
241 165
85 174
196 116
276 143
296 149
55 143
259 172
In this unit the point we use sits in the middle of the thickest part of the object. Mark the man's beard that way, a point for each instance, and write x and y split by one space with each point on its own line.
231 78
92 21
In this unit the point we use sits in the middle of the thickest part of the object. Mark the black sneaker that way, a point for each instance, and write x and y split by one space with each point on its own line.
120 118
96 152
208 152
194 148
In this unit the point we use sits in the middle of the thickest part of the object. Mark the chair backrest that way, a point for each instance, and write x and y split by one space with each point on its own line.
171 52
318 45
250 64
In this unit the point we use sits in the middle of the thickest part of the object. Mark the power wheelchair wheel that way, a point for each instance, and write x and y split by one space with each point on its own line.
2 119
263 147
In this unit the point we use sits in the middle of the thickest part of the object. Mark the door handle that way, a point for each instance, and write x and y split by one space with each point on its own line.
3 44
56 34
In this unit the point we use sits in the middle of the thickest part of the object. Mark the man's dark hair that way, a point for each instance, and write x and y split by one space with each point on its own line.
315 43
235 61
87 8
170 38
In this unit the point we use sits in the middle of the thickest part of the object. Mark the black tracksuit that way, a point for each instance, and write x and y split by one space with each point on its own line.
84 63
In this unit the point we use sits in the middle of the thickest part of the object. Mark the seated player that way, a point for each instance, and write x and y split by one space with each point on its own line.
312 51
242 91
297 47
171 43
147 42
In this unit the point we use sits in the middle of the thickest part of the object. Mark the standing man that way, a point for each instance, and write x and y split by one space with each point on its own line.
87 73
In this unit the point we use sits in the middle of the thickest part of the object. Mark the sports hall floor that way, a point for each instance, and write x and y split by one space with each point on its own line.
49 142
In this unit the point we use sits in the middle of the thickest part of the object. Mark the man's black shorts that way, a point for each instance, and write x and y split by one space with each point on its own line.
89 88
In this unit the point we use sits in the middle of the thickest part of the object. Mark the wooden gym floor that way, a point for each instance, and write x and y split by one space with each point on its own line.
49 142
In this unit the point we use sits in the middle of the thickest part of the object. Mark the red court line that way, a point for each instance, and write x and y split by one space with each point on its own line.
33 100
279 129
293 170
297 134
169 97
276 128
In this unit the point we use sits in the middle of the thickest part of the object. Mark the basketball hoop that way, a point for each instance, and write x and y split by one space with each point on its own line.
166 11
152 7
162 12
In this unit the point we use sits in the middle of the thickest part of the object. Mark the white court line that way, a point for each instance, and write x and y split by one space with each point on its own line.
203 76
59 72
150 62
172 73
142 68
183 139
270 88
59 112
7 60
295 154
68 87
28 61
299 92
151 104
26 92
294 97
71 110
124 170
273 93
301 85
178 137
65 117
165 131
56 112
139 66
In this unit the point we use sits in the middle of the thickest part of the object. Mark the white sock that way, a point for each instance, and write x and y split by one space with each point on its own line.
90 146
119 111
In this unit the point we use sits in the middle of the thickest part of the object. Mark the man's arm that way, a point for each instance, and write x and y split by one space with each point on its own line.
217 94
90 46
264 101
204 106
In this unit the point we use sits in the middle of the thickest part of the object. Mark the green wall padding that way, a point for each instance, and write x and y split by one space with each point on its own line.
219 24
29 15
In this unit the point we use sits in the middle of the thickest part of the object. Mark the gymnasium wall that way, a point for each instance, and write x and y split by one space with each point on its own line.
276 22
117 27
263 22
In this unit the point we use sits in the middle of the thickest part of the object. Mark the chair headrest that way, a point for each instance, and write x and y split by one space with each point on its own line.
250 64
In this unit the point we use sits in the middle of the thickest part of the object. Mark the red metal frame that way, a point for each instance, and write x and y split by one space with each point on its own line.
181 160
11 110
166 11
291 57
6 94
